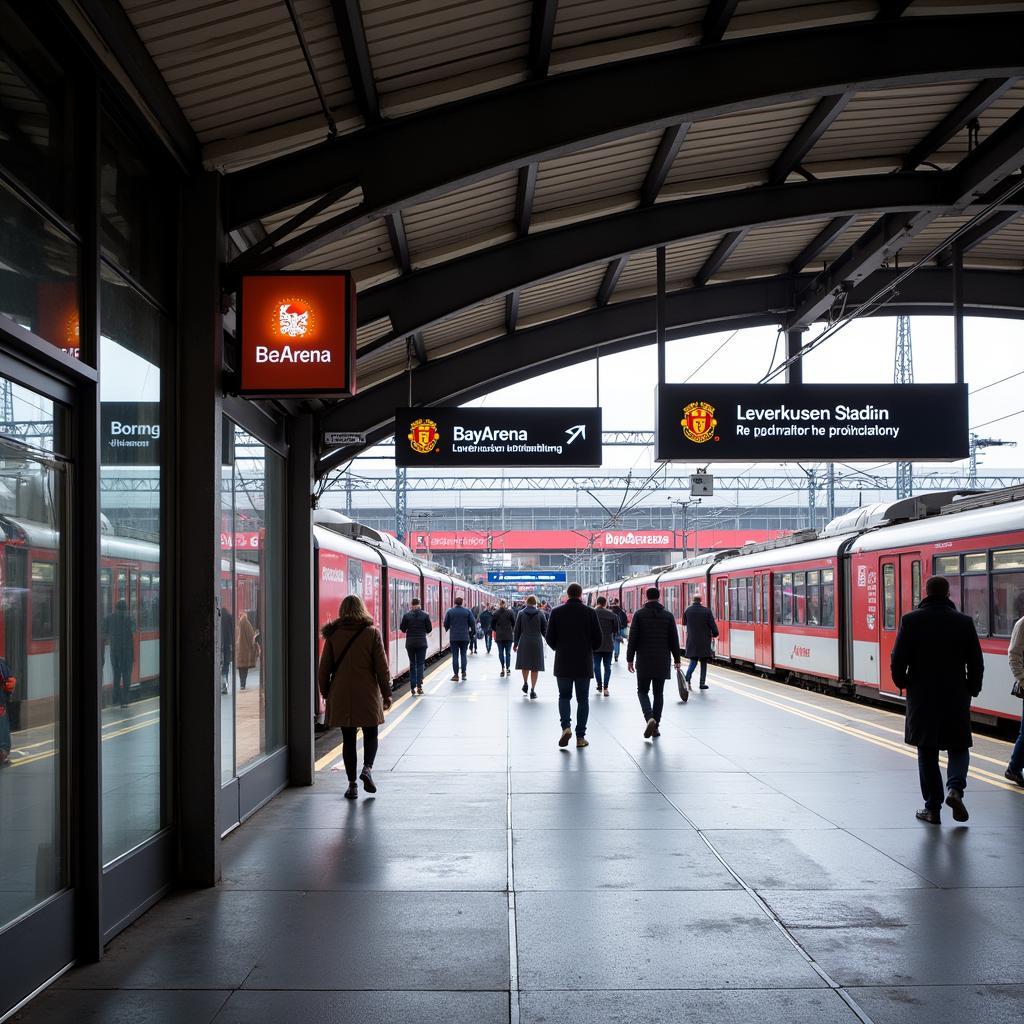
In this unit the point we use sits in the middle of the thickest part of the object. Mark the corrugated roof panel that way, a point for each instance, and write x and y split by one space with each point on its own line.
886 123
682 261
613 169
1005 245
926 239
485 319
366 252
462 220
742 146
343 205
772 246
990 119
756 16
575 289
236 66
843 242
590 32
373 331
423 51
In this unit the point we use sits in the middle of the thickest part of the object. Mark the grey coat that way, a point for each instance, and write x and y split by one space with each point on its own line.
531 625
609 627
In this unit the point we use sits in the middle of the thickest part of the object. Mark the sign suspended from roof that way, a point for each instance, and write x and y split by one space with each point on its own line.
298 335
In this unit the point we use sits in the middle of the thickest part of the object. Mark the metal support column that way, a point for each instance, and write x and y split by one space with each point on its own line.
794 342
301 619
401 502
831 491
958 312
200 369
660 314
812 498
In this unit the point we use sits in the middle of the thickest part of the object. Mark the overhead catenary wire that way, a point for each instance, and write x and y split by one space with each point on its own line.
1002 380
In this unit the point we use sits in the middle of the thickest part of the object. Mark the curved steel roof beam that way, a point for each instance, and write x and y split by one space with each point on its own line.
412 158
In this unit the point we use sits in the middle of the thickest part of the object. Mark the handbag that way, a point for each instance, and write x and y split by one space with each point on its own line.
337 665
684 686
1018 689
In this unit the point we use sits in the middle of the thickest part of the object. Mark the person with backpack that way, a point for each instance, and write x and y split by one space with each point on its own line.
653 642
355 682
610 628
416 625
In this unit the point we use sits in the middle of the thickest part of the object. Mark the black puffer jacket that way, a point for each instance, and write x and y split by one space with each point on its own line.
653 642
416 625
503 622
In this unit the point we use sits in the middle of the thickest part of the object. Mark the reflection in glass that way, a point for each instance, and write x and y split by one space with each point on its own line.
130 567
33 837
251 602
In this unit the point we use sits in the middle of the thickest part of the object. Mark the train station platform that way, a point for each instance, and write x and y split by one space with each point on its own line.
758 861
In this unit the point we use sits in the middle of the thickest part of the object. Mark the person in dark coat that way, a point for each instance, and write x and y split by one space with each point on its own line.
460 625
7 685
574 634
503 625
528 640
227 647
416 625
653 641
485 624
937 659
700 629
610 628
354 680
623 626
119 634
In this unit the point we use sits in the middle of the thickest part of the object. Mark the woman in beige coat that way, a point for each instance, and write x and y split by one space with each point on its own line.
360 692
246 648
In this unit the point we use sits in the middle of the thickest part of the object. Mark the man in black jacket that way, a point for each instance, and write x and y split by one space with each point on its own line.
623 626
416 625
701 629
653 641
574 634
937 659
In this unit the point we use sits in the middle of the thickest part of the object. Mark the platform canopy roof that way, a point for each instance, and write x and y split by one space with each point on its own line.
498 174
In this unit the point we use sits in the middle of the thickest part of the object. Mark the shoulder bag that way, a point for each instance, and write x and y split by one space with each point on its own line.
1018 689
337 665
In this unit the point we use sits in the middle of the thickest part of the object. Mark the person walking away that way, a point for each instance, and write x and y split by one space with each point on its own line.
355 682
1015 769
937 659
227 647
610 627
528 643
574 634
245 649
7 685
623 626
416 625
460 625
700 629
486 616
503 624
119 634
474 633
653 644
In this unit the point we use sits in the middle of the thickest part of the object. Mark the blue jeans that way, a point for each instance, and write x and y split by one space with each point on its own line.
565 688
505 654
602 658
459 649
417 664
1017 755
643 691
703 669
931 776
488 639
617 642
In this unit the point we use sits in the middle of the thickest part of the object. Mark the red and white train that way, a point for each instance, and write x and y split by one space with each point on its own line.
824 608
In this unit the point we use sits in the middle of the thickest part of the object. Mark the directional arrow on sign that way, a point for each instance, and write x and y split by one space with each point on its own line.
580 430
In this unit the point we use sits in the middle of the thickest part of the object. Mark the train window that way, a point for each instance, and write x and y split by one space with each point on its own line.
1010 559
355 577
149 601
828 598
889 596
44 600
814 598
778 599
915 582
976 562
765 599
947 565
975 598
750 599
787 598
106 582
800 598
1007 600
757 599
741 601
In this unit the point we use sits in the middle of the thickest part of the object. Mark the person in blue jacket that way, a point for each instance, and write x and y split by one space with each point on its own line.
460 625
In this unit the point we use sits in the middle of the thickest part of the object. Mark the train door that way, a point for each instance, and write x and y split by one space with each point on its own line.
763 619
722 616
889 618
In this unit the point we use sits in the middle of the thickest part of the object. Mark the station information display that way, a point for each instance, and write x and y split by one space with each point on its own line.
813 422
433 436
526 576
298 335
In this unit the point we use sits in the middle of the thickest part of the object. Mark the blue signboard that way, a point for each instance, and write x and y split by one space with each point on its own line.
527 576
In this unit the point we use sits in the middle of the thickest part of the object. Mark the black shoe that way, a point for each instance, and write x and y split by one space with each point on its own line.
419 690
463 676
526 689
367 780
1014 776
533 695
932 817
704 686
656 733
223 689
955 799
652 728
352 793
242 687
455 678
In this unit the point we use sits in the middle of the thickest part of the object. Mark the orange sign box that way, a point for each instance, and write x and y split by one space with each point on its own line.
298 334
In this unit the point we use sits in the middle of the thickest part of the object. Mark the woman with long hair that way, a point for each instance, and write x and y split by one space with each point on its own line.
531 625
355 682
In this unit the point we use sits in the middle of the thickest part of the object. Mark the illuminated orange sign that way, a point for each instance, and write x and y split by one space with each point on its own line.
298 334
58 320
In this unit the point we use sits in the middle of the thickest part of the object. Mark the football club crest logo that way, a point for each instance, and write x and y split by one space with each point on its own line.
295 319
423 436
699 422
